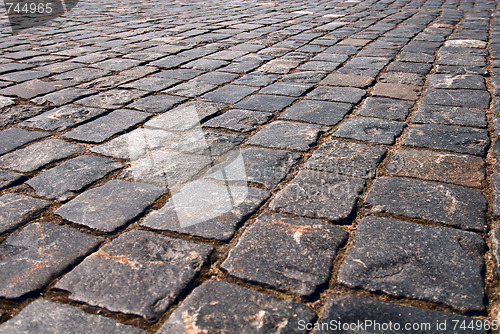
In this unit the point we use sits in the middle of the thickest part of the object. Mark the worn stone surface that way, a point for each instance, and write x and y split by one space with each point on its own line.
139 273
260 102
349 309
220 210
239 120
112 99
320 112
63 181
446 137
459 169
261 165
63 96
471 98
38 155
399 258
290 254
18 210
110 206
7 178
442 203
62 118
346 158
370 129
449 81
215 305
337 94
396 110
13 138
207 142
319 195
107 126
447 115
136 144
229 93
166 168
38 254
44 317
156 103
288 135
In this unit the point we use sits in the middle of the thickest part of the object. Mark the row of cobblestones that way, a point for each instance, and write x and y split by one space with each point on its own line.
367 131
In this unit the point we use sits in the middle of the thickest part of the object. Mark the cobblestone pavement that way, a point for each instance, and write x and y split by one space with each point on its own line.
370 190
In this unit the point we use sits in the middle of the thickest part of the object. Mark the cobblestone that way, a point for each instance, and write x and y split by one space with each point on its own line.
351 309
319 112
46 317
18 210
451 138
38 155
447 204
235 310
110 206
219 221
39 253
62 118
288 135
370 129
239 120
396 110
319 195
13 138
138 273
107 126
399 259
291 254
63 181
350 159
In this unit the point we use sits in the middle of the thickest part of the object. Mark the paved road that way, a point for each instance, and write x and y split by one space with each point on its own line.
251 167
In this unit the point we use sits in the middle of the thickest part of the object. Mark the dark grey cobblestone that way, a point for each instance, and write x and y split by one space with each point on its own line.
13 138
291 254
65 180
7 178
110 206
215 305
446 115
319 112
370 130
347 309
18 210
138 273
62 118
447 204
350 159
46 317
221 227
38 155
319 195
399 258
38 254
451 138
107 126
396 110
288 135
239 120
337 94
261 102
264 80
